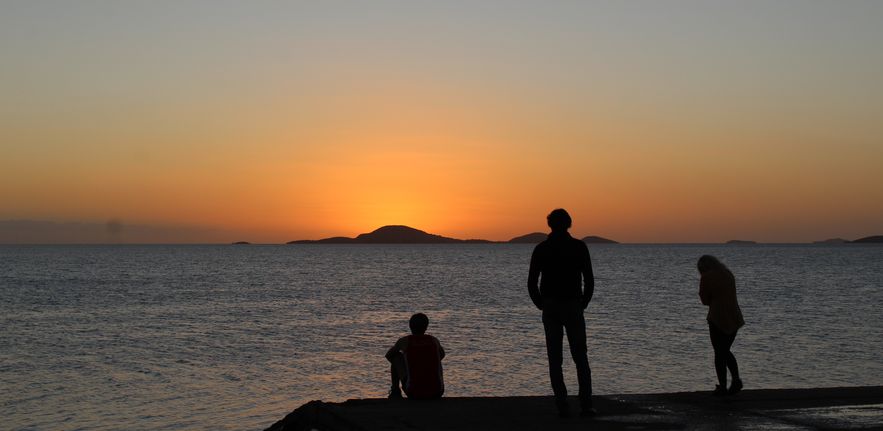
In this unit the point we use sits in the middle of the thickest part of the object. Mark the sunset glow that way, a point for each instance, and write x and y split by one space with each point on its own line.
267 123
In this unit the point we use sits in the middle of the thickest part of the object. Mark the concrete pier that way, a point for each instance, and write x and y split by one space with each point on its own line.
854 408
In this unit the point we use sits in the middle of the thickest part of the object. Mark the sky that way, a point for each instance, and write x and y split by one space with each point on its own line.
218 121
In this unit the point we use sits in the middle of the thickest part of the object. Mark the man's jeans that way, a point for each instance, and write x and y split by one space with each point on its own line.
558 317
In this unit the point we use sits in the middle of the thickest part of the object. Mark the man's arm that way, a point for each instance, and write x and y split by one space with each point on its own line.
588 280
395 349
441 350
533 278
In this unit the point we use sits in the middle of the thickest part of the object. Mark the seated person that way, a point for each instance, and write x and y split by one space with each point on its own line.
416 363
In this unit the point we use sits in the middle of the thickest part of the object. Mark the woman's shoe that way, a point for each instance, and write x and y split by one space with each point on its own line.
735 387
719 391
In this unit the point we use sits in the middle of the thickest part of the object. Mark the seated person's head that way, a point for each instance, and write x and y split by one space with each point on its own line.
418 323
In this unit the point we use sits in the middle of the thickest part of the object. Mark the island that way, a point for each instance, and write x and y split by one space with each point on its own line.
241 243
393 234
832 241
592 239
531 238
399 234
875 239
740 242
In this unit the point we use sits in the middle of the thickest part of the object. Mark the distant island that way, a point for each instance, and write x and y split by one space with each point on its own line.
833 241
740 242
398 234
875 239
538 237
531 238
241 243
395 234
592 239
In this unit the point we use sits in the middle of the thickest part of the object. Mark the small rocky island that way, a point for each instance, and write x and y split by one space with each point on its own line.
832 241
740 242
394 234
875 239
538 237
531 238
398 234
592 239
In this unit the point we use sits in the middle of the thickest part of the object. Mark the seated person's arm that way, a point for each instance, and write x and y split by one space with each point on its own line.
441 351
395 349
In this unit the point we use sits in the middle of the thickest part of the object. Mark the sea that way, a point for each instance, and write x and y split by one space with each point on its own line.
181 337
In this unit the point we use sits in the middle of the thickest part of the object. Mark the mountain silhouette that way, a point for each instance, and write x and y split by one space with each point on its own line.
834 241
398 234
531 238
740 242
876 239
332 240
538 237
592 239
395 234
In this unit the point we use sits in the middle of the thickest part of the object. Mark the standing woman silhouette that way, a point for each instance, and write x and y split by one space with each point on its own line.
717 290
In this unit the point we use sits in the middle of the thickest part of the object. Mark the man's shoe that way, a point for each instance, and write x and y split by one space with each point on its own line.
395 394
735 387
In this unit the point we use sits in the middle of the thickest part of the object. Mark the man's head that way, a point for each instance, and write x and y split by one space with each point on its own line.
559 220
418 323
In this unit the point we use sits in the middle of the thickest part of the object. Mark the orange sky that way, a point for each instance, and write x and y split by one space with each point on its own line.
308 121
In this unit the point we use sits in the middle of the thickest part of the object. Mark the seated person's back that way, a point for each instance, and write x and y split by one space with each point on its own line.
416 362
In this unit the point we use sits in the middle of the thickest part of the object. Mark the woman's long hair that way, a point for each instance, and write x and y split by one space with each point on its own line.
710 263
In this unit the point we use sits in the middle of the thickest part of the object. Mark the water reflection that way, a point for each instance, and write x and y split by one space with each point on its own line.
235 337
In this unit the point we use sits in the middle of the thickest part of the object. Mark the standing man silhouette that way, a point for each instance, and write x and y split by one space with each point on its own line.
558 268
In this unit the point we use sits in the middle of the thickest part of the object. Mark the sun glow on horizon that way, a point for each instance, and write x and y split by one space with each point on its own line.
304 121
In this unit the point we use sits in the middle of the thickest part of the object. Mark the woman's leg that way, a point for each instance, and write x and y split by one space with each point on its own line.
732 365
721 353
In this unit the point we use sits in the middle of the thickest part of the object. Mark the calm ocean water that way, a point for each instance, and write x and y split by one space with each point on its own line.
235 337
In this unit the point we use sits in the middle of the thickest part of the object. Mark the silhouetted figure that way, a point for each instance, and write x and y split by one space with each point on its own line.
561 264
717 290
416 363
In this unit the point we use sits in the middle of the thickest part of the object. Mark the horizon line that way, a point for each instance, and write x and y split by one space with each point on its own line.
464 242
